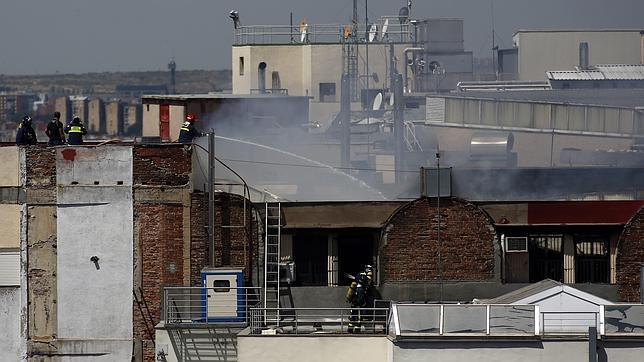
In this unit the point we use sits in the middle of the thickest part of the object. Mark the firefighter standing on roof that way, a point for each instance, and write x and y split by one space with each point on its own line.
55 131
188 131
357 296
26 134
76 130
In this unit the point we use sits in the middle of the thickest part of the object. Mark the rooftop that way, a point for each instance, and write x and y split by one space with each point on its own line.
625 98
601 72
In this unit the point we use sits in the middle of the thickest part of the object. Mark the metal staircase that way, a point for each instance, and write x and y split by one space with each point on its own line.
273 229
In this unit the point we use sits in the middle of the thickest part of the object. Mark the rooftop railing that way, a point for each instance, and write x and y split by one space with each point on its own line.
324 33
241 306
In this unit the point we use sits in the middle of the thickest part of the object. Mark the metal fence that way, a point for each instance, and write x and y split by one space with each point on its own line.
196 305
323 33
319 320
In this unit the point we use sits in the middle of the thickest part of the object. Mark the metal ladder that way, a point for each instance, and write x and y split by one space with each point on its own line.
273 229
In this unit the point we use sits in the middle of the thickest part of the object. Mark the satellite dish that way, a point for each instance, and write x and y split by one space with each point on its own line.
403 15
305 28
377 102
385 27
391 100
373 33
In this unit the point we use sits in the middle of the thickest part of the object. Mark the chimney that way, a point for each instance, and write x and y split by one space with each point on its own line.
583 56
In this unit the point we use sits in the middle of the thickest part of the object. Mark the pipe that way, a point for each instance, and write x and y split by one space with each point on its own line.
406 65
398 125
211 197
345 118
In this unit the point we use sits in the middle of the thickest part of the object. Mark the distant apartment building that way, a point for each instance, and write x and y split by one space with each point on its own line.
13 106
96 116
114 118
80 108
63 105
133 119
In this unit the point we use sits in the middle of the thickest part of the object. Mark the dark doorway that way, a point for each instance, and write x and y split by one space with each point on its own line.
546 257
310 257
592 259
354 252
261 77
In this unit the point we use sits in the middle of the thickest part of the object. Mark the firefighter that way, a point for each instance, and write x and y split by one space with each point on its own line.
76 130
357 297
55 131
188 131
26 134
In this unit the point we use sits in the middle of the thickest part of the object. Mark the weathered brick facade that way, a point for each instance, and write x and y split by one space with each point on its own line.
630 255
409 246
169 165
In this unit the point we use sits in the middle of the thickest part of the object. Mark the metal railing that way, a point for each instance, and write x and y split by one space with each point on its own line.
217 305
319 320
321 33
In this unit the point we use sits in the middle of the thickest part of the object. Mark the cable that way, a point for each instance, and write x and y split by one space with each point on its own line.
316 166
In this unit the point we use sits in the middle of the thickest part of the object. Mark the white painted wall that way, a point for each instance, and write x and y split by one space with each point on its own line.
95 305
10 166
10 336
313 348
151 120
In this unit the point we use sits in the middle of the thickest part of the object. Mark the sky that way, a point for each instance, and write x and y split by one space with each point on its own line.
79 36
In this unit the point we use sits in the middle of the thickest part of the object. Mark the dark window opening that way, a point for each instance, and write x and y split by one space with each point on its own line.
221 286
354 252
310 257
327 92
241 65
261 77
592 259
546 257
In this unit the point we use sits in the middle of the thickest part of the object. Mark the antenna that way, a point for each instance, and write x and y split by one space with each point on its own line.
373 33
385 27
377 102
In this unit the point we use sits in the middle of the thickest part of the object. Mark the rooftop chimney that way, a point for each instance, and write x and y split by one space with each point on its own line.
583 56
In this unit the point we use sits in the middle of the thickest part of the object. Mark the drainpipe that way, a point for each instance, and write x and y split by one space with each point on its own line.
211 197
406 65
345 118
398 125
642 47
642 284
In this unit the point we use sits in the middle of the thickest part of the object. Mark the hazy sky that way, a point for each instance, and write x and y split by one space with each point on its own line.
75 36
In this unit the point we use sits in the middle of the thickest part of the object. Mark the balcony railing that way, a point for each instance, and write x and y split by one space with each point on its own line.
200 305
296 321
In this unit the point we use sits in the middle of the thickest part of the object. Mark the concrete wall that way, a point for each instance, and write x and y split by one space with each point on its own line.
151 120
95 220
10 226
10 332
313 348
541 51
10 166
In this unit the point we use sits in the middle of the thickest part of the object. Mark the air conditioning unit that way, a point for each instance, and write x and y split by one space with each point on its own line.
515 244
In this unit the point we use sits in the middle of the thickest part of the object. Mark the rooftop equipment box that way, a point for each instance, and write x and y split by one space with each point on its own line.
222 298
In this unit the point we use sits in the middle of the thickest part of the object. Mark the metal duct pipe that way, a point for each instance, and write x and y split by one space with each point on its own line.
583 56
642 284
406 65
491 144
345 118
398 125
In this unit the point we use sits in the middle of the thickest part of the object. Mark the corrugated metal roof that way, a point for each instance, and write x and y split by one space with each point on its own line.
601 72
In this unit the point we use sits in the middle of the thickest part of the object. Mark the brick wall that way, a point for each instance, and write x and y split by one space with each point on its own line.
234 247
168 165
630 255
410 246
41 167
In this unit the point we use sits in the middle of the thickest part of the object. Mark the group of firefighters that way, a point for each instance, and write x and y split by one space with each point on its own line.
75 131
55 131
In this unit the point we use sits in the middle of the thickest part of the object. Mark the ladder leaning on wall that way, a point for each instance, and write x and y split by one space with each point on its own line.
272 232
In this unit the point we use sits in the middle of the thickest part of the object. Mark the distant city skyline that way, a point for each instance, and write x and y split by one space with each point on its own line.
79 36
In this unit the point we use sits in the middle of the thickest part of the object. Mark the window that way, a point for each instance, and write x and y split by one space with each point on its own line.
327 92
221 286
310 257
592 259
546 257
241 65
